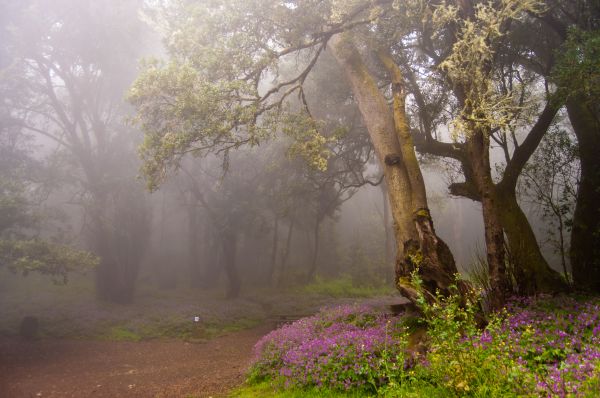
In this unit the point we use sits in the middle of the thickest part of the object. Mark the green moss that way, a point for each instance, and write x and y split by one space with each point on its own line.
423 213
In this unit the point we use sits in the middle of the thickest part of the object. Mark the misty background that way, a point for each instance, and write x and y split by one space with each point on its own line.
228 227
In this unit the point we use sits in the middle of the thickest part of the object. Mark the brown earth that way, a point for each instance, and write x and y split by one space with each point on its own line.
156 368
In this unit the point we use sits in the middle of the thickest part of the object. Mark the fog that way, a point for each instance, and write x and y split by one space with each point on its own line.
277 223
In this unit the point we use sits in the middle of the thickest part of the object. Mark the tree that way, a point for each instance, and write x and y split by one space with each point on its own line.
21 249
66 78
564 50
575 29
551 180
486 96
214 96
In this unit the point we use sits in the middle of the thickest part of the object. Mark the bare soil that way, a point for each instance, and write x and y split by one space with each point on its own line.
155 368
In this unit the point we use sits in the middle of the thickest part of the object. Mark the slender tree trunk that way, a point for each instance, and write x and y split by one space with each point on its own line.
274 250
478 155
561 242
312 272
229 246
286 252
585 236
419 248
194 263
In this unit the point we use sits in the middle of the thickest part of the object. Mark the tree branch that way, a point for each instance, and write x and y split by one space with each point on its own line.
522 154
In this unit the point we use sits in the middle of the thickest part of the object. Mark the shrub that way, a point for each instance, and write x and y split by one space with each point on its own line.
342 348
535 347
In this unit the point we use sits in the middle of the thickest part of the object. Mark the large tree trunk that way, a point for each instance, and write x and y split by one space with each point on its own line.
109 283
585 236
419 248
478 155
118 269
118 231
532 273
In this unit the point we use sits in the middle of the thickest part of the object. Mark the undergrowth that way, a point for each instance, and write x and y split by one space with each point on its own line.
544 346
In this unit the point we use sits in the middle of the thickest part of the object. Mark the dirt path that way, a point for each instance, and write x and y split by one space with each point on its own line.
68 368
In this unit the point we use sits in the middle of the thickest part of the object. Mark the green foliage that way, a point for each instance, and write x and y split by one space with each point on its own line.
308 142
233 68
27 256
550 180
533 348
470 65
479 271
454 362
577 71
180 110
15 210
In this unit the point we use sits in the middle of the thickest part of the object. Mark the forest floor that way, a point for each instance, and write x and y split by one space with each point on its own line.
154 368
151 348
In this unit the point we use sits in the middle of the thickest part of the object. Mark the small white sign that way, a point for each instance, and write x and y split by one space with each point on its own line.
196 319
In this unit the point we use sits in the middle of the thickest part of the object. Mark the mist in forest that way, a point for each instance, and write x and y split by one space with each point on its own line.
86 216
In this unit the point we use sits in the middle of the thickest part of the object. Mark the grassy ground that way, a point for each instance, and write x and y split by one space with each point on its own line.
72 311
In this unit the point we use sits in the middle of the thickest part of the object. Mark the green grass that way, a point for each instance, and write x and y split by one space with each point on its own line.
119 333
72 311
345 287
268 390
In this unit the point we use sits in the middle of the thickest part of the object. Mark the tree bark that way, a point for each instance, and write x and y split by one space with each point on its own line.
585 236
387 225
478 156
532 274
419 248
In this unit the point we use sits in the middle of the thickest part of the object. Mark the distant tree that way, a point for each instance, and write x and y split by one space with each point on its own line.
230 205
22 250
64 82
550 182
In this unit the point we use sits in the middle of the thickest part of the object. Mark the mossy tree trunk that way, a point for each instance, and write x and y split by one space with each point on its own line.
419 247
478 155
